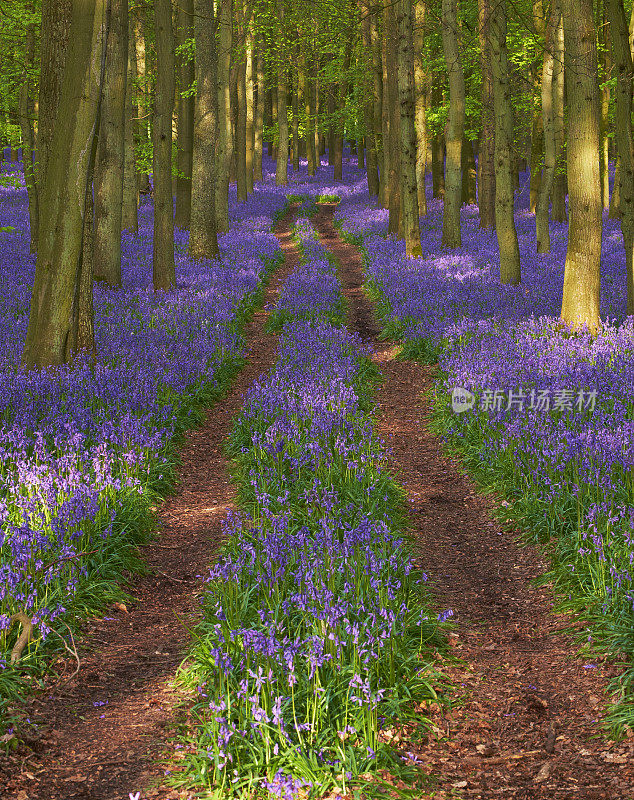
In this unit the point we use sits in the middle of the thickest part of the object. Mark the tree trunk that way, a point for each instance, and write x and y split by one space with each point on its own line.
26 127
558 194
259 114
550 155
486 154
369 103
504 220
241 122
250 113
164 271
468 196
129 216
203 239
455 126
281 170
619 35
420 83
580 302
604 38
64 189
185 32
409 189
615 197
390 35
223 153
143 109
309 95
295 101
377 95
108 179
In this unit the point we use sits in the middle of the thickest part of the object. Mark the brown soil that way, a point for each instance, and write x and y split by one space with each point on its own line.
527 710
103 730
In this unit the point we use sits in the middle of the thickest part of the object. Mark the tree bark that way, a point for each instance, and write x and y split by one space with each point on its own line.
185 32
259 113
409 188
369 102
558 194
379 134
455 126
604 38
420 83
225 144
619 35
486 154
504 220
537 127
250 112
108 181
281 170
143 110
295 126
69 151
203 238
391 100
580 302
129 217
468 196
164 270
241 119
550 154
309 107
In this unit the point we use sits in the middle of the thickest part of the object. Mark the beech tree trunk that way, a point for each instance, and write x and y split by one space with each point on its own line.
108 179
550 155
28 136
409 188
143 109
309 108
369 102
504 195
129 217
455 126
619 35
164 270
64 192
558 194
580 302
185 31
604 39
295 125
259 114
468 196
241 120
390 98
281 170
486 154
250 113
225 144
420 84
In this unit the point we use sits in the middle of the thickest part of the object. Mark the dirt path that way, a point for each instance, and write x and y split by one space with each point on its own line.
104 730
527 708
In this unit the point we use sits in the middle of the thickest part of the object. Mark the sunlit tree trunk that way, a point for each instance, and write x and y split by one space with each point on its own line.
615 197
185 32
223 153
64 188
558 194
537 128
604 40
281 170
409 189
164 271
420 82
143 107
390 101
295 125
550 155
250 113
129 216
380 127
468 196
108 180
259 113
486 154
241 118
619 35
580 302
309 107
26 128
455 126
504 220
369 102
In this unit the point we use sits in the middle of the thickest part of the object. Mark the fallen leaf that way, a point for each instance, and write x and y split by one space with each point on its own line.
460 785
543 773
22 796
121 607
485 750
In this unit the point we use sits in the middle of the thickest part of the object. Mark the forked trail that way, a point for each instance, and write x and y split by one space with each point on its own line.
528 709
105 729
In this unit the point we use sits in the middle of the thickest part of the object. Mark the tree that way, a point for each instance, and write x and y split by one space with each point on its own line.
185 34
69 150
281 171
486 160
455 126
164 270
580 303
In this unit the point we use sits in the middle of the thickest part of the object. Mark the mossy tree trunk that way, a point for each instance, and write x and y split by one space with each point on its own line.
455 126
185 142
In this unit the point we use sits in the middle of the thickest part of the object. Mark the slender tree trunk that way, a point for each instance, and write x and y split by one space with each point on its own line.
619 35
203 239
295 127
615 197
468 195
504 220
259 113
420 83
241 120
223 153
281 171
309 102
369 102
129 216
379 138
409 189
108 181
558 194
64 188
604 38
550 154
390 35
455 126
143 109
164 271
250 113
580 302
274 119
486 155
28 137
537 128
185 31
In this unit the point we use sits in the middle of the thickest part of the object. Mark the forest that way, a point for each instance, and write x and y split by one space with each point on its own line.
316 399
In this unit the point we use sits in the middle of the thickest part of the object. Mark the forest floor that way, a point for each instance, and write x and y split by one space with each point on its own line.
525 710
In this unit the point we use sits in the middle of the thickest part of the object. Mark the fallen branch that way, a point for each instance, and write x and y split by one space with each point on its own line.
25 636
